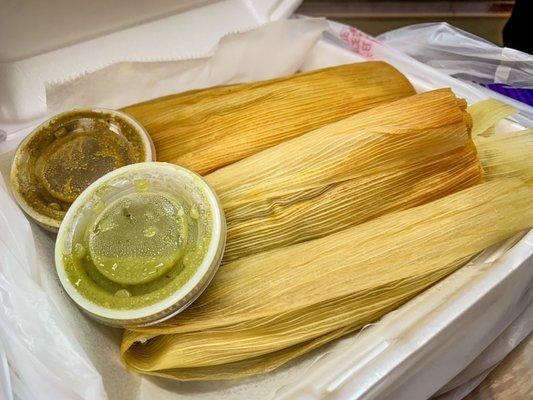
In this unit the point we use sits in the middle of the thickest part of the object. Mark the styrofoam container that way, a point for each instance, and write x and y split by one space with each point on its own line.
410 354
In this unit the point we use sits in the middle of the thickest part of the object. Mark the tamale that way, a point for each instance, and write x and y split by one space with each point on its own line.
264 310
391 157
206 129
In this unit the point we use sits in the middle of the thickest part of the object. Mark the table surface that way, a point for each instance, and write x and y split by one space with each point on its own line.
511 379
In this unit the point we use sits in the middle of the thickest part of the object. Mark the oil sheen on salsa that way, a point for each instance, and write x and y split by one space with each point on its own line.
62 158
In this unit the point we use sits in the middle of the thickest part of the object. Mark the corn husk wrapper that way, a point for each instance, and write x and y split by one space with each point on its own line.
392 157
485 114
206 129
505 154
264 310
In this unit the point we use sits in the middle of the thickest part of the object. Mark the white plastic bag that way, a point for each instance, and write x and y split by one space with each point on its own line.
43 356
469 378
462 55
470 59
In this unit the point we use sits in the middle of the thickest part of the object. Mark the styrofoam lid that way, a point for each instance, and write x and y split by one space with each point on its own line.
33 27
54 41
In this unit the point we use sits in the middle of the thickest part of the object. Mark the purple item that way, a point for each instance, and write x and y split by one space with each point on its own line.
523 95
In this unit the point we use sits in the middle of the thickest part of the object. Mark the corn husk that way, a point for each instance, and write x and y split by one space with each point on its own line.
392 157
209 128
504 154
507 154
261 311
485 114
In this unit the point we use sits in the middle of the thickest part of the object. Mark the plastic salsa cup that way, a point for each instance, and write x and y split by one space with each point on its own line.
69 151
140 244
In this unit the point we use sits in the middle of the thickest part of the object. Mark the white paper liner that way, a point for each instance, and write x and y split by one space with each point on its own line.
273 50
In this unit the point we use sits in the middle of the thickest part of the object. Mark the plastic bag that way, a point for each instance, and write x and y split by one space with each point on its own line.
511 379
468 58
490 359
462 55
43 356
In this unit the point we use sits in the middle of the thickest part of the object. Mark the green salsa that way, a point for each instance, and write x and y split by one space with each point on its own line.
138 249
69 152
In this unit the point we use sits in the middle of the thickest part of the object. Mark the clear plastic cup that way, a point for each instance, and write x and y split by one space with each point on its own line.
140 244
66 153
